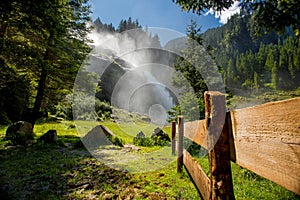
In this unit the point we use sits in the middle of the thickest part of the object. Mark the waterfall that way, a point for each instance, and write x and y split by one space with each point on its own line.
141 90
134 76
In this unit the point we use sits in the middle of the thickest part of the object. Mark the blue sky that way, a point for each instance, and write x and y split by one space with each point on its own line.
153 13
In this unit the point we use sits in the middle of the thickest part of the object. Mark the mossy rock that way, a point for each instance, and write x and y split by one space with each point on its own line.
19 133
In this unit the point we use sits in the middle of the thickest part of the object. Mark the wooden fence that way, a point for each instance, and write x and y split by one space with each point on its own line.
264 139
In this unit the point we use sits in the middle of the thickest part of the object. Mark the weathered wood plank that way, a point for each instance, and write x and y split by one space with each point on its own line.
230 137
215 115
196 132
267 141
198 175
219 148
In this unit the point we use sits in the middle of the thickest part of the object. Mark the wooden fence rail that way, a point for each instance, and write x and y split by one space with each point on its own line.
264 139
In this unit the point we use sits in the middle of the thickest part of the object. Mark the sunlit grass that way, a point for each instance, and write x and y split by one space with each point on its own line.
63 128
166 181
127 131
248 185
3 130
259 98
174 185
60 172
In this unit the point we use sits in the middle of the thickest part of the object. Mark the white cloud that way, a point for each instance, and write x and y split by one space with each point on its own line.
225 14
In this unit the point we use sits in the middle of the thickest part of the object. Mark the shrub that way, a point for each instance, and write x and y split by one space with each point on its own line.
158 141
150 142
103 109
117 141
143 141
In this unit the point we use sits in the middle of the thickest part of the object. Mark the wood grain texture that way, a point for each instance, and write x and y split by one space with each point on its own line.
228 125
198 175
218 140
267 141
215 115
196 132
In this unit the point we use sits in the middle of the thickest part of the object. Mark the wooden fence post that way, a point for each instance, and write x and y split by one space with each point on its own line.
180 144
173 137
218 146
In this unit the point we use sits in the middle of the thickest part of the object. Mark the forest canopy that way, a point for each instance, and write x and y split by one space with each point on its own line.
265 62
42 46
44 43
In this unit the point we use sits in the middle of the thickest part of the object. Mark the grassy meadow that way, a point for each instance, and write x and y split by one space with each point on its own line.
65 170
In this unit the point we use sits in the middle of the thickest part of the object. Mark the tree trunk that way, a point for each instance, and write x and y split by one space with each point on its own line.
39 96
42 82
41 89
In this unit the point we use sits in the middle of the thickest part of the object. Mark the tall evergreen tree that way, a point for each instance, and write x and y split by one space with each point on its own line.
275 75
234 44
51 43
193 53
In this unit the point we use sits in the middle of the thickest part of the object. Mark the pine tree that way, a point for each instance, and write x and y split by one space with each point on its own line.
231 74
155 41
275 76
256 81
193 54
261 58
51 45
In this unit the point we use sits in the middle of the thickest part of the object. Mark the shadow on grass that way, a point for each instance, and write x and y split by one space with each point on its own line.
56 171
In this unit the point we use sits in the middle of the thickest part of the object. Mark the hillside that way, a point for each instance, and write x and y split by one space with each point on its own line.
254 62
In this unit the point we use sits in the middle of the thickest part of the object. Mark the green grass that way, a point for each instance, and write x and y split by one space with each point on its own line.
61 171
58 171
2 130
63 128
169 182
129 130
242 101
248 185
